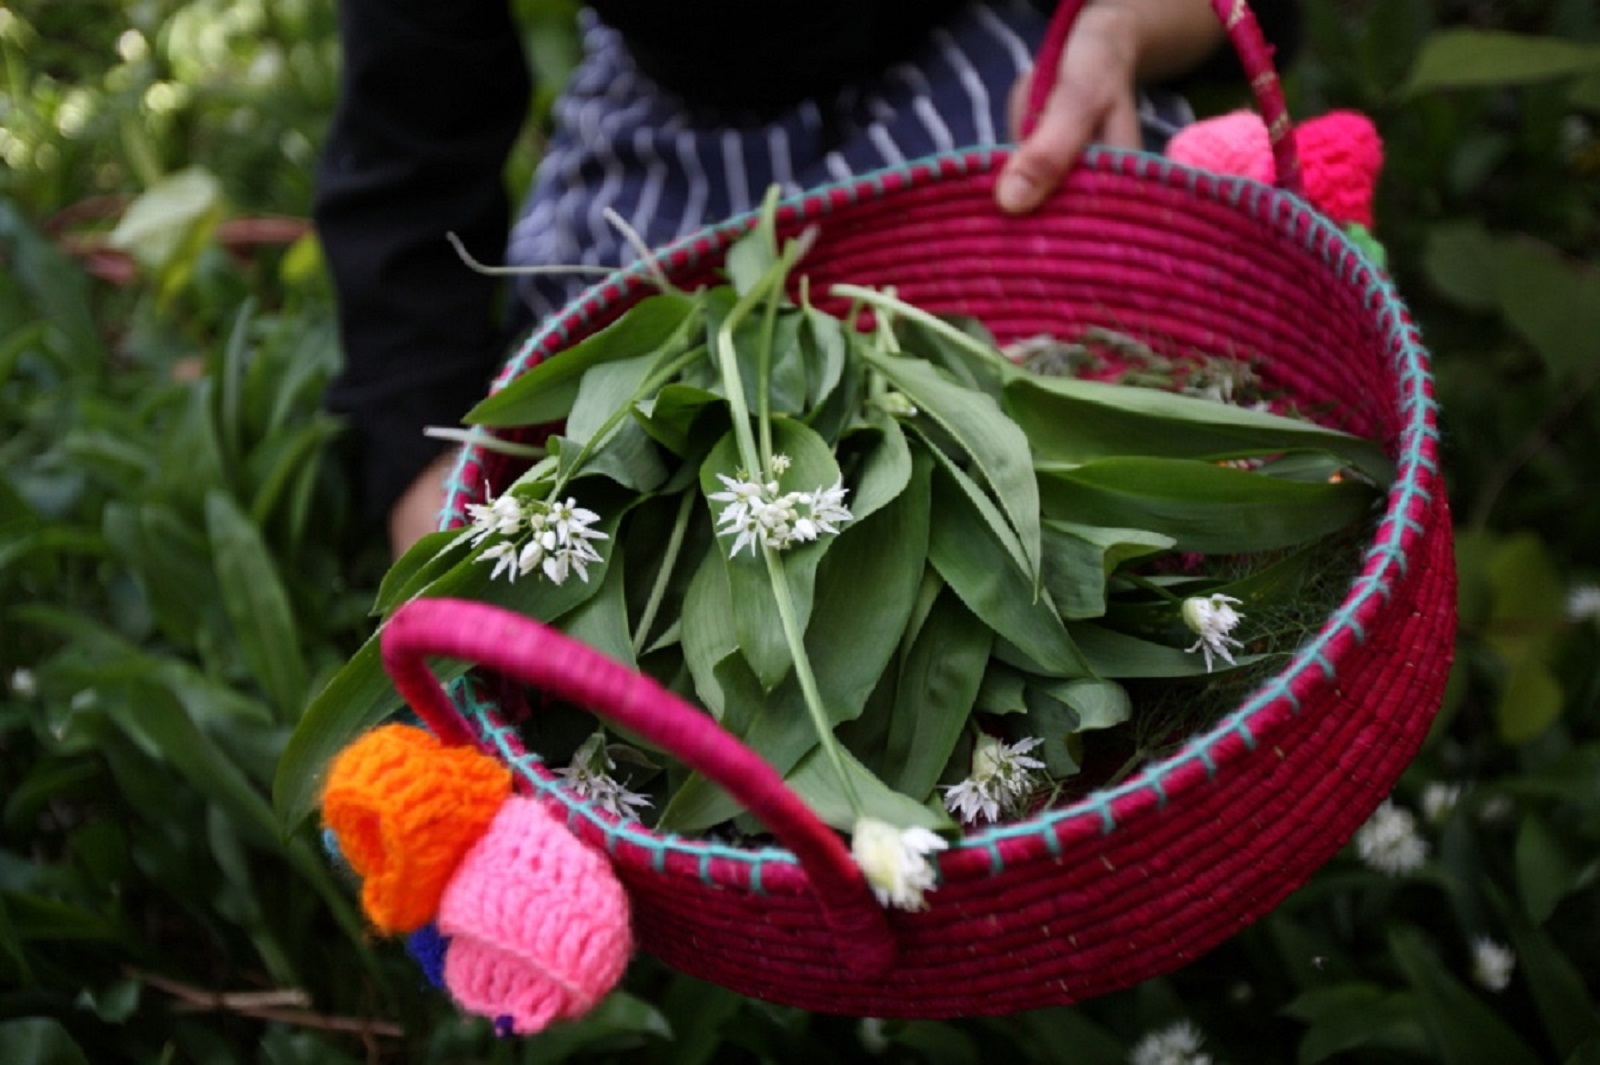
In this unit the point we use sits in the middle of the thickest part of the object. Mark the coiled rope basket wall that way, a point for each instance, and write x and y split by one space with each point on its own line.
1130 881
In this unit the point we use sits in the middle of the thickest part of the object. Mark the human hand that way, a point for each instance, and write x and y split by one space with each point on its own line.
1093 99
416 513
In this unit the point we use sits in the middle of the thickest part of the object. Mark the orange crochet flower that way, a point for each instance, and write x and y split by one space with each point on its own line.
405 809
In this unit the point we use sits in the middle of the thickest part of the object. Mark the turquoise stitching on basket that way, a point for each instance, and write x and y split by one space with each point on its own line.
502 738
997 861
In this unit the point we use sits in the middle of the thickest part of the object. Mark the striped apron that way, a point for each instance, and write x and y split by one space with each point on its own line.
623 143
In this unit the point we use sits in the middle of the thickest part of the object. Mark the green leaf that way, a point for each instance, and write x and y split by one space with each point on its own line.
545 393
708 634
993 441
601 621
1072 421
1459 259
1470 58
1059 712
1530 702
423 563
620 1020
257 606
884 463
816 782
57 288
1551 299
752 256
628 457
823 336
279 462
39 1041
358 697
944 348
1078 559
605 390
1465 1031
934 695
964 550
1203 507
1548 868
1356 1016
1555 984
673 415
227 367
786 383
169 217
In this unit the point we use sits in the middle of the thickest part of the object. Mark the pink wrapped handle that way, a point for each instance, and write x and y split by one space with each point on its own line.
553 662
1255 55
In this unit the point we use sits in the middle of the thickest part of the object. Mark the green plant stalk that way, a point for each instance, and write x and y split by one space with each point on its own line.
769 324
669 559
749 453
752 458
883 301
807 679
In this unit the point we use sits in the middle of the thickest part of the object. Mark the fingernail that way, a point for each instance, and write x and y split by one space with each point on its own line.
1015 192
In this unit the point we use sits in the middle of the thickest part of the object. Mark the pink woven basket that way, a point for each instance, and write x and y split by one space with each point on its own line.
1130 881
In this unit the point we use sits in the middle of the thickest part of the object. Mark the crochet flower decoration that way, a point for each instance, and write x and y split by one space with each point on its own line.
521 922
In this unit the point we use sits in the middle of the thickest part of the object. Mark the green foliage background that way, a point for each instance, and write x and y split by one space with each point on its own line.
179 571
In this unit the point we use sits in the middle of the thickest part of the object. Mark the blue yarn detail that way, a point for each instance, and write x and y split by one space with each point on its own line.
426 947
330 846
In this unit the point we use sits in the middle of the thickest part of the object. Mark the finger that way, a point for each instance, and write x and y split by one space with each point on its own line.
1017 102
1122 129
1040 161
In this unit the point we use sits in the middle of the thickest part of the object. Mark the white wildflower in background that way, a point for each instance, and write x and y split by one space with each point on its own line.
23 683
1002 779
780 464
1497 808
1176 1044
1439 800
755 514
1583 603
1492 963
1212 618
895 861
589 777
539 536
1389 842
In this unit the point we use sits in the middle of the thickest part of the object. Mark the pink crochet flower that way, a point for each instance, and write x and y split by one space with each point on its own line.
537 923
1340 157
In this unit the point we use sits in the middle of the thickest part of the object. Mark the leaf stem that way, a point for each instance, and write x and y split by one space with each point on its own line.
883 301
669 558
807 679
728 363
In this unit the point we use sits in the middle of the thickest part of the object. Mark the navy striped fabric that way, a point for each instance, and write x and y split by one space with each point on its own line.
620 142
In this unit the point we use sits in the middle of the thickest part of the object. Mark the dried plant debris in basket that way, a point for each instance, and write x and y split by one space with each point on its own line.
922 580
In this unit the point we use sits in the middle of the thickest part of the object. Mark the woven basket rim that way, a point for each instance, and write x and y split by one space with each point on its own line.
1315 663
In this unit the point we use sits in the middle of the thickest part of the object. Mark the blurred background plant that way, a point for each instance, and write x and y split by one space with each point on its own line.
178 570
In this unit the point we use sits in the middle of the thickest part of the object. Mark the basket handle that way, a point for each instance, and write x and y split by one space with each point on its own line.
553 662
1255 55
